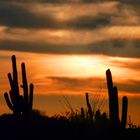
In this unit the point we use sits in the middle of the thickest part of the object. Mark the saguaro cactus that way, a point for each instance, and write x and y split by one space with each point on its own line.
113 100
19 104
113 104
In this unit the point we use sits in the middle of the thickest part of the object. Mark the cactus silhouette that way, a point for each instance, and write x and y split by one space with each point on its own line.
113 100
90 113
113 104
124 111
19 104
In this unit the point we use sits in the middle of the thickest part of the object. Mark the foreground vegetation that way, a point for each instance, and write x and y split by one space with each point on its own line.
43 127
26 123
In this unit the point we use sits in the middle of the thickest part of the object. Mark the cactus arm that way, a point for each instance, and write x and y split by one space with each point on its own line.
10 80
8 101
12 94
31 96
13 98
25 84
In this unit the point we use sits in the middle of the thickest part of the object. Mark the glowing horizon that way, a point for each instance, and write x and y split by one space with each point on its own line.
48 68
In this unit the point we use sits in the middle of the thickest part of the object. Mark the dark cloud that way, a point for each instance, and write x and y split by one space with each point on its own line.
116 48
131 86
14 15
89 84
131 1
54 1
71 1
29 1
107 47
39 1
66 83
119 44
89 22
19 16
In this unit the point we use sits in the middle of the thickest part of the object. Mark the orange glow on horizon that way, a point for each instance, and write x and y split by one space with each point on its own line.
42 66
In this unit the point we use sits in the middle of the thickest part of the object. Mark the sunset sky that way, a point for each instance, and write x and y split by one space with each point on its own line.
68 45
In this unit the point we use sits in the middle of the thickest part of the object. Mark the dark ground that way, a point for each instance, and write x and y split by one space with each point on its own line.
42 127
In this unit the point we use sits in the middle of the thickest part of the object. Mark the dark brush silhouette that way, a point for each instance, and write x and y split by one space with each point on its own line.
19 104
90 112
113 104
93 117
82 114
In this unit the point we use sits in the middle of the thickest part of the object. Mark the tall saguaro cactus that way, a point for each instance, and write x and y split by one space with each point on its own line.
113 104
19 104
113 100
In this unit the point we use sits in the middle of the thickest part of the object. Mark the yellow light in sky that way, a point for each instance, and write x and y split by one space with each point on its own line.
41 66
83 66
73 65
58 33
83 61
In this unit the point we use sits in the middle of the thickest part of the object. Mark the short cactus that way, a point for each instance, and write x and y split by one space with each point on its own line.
124 111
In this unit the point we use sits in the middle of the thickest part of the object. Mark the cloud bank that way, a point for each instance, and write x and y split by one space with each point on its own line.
80 27
93 85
